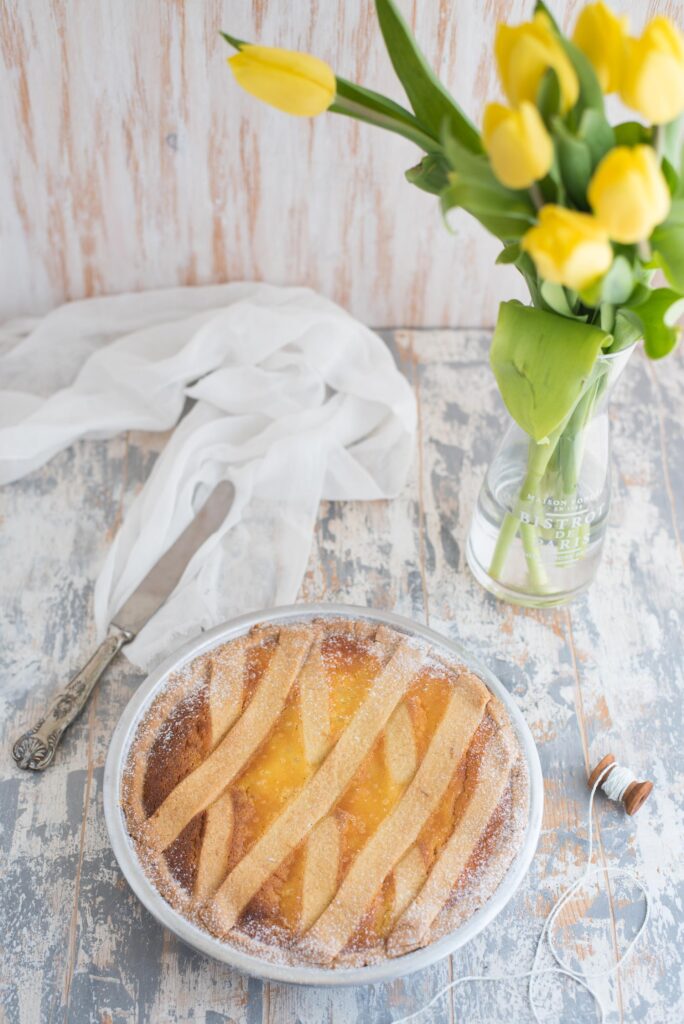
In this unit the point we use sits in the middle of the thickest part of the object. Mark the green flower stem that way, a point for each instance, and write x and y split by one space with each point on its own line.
536 195
571 443
507 534
539 457
572 440
350 108
535 567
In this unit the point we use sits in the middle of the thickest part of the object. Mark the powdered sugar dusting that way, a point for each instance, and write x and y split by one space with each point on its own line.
348 643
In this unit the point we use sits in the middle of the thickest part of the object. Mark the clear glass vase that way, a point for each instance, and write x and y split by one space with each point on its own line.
540 520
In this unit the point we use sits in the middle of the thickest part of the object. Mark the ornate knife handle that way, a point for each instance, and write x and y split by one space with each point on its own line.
36 748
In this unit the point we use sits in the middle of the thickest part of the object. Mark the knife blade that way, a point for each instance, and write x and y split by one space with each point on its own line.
162 578
35 748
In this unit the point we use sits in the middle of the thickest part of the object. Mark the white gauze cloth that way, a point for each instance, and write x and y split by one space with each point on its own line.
295 401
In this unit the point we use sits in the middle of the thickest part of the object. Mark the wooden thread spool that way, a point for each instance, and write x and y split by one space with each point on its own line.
634 795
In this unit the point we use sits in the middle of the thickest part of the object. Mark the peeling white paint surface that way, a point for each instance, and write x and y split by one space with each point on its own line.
605 674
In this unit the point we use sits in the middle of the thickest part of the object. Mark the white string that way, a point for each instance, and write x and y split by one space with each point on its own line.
614 783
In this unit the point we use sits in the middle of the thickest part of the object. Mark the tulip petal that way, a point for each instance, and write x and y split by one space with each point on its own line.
600 35
295 83
653 77
628 193
568 248
523 55
517 143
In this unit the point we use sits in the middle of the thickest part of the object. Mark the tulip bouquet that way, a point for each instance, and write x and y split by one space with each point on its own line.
586 210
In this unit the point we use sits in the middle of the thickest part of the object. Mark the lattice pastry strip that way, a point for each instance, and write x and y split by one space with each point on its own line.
401 756
212 863
314 703
324 846
199 789
323 852
226 688
408 877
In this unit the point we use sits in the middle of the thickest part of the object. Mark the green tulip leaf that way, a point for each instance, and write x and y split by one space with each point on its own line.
373 108
499 212
509 254
670 175
431 102
575 163
549 95
430 175
554 296
542 363
632 133
375 101
625 332
473 166
668 248
618 283
525 266
504 212
667 244
590 93
475 169
597 132
495 199
552 187
656 317
672 142
607 321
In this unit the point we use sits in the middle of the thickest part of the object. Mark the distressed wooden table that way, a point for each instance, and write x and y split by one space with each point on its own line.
604 674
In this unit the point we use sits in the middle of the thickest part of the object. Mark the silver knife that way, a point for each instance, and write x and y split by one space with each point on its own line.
36 748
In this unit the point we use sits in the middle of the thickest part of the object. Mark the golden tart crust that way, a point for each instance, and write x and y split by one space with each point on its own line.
326 793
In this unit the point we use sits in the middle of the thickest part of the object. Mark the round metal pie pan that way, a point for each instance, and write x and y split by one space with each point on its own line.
204 942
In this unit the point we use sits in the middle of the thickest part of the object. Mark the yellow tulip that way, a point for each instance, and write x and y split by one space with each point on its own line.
524 52
296 83
517 143
601 36
653 76
567 247
628 193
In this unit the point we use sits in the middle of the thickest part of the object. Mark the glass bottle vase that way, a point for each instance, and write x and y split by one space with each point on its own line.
539 524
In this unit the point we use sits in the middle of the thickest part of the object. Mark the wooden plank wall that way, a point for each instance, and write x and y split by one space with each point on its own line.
129 159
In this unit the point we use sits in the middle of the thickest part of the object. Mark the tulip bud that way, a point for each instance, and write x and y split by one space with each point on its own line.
523 54
601 36
567 247
653 75
517 143
296 83
628 193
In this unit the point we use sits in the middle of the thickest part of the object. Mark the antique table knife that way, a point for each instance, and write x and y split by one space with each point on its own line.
36 748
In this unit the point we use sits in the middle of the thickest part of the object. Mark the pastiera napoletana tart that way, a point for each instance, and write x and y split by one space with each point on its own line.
329 792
